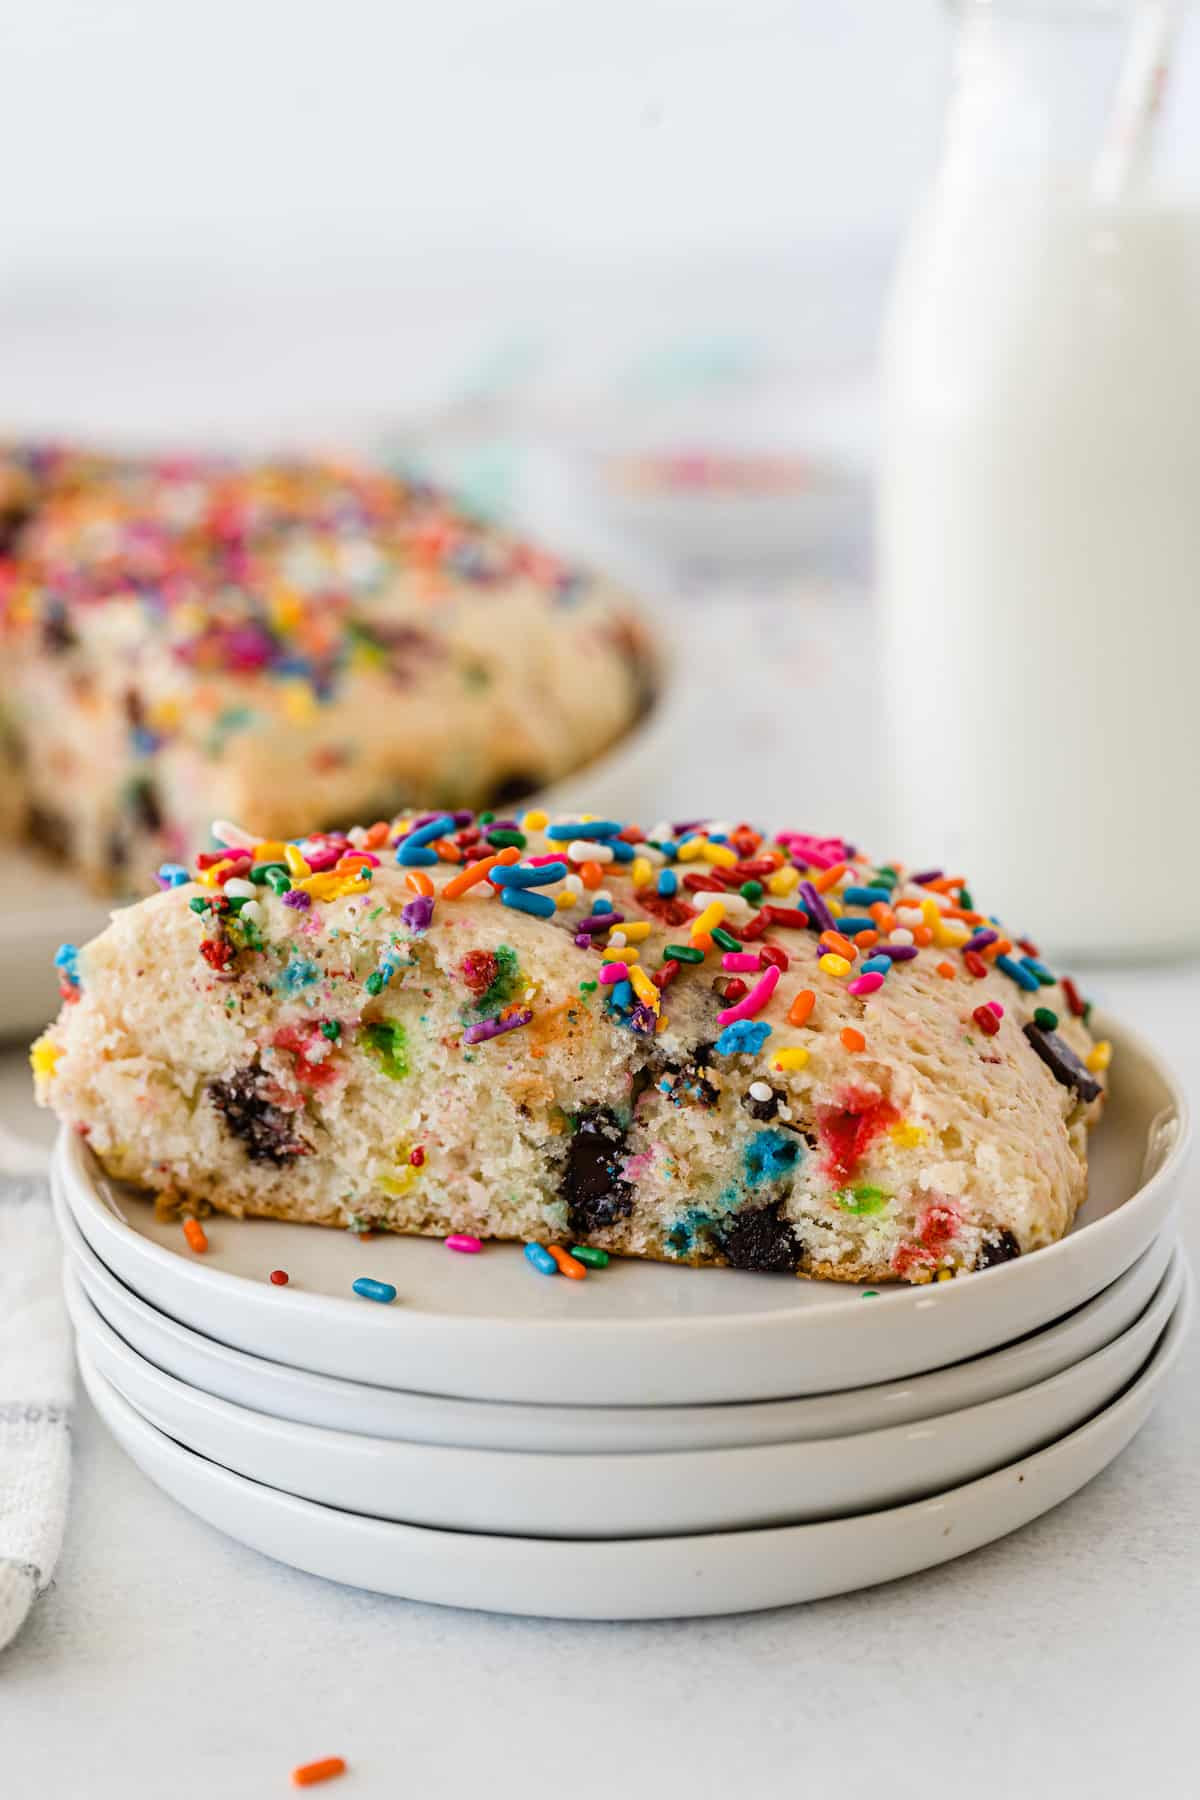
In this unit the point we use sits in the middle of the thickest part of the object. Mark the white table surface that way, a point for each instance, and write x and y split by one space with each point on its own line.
167 1661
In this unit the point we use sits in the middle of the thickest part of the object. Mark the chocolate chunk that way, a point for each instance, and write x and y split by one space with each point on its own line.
999 1249
763 1242
689 1080
592 1186
763 1110
265 1129
1062 1062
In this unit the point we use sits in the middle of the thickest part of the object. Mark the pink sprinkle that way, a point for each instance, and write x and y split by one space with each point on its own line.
740 960
996 1008
865 984
540 862
465 1245
614 972
755 1000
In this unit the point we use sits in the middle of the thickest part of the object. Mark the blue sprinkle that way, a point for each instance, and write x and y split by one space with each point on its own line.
1039 971
622 852
173 875
866 896
876 965
299 973
718 837
622 995
66 959
425 834
415 856
602 905
383 1291
541 1259
540 905
769 1156
522 876
590 830
668 882
743 1037
848 927
1016 973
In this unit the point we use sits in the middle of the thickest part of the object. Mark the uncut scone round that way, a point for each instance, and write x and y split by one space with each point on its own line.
292 642
360 1039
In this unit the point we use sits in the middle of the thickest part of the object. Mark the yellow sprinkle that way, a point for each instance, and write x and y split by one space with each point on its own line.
835 906
931 913
945 1275
906 1136
634 930
565 900
44 1054
834 964
692 851
1099 1056
619 953
535 821
661 1023
295 862
269 852
300 704
331 886
644 988
640 871
951 935
712 915
719 854
793 1057
783 882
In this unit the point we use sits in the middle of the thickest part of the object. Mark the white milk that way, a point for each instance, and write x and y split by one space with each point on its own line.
1040 560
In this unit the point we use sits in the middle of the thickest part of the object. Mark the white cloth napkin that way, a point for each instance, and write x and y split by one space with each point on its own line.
36 1385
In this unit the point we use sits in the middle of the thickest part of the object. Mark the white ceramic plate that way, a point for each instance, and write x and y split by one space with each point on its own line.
518 1494
308 1399
640 1578
635 1334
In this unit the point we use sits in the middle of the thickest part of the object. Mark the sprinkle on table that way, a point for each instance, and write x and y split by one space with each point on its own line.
309 1774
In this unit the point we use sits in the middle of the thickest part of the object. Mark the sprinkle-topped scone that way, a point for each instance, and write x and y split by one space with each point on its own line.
694 1043
293 643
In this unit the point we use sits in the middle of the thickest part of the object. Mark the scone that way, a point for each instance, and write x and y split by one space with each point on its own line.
287 642
694 1043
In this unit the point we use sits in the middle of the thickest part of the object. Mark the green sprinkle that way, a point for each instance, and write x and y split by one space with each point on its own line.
885 877
1044 1019
751 891
199 904
965 900
374 915
331 1029
374 982
682 953
725 939
870 1293
863 1200
1087 1011
507 840
261 873
279 881
588 987
385 1040
486 818
595 1259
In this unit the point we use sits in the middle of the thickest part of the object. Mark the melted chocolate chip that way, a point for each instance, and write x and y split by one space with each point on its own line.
592 1186
1062 1062
1000 1249
763 1242
265 1129
763 1110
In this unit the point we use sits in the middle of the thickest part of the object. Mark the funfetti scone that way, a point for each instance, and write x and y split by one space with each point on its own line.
693 1043
288 643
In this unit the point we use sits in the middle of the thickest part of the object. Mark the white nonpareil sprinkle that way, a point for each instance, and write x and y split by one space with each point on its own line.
901 935
254 912
237 889
760 1090
580 850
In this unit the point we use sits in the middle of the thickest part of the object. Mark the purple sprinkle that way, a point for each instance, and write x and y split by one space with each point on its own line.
687 825
596 922
490 1028
926 876
418 913
982 939
643 1018
462 820
584 941
504 825
300 898
897 952
819 914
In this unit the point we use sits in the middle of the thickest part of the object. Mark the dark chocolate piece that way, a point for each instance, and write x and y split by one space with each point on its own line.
594 1191
1000 1249
1062 1062
265 1129
763 1110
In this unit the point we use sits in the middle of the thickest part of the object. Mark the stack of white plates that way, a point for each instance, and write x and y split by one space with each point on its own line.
652 1441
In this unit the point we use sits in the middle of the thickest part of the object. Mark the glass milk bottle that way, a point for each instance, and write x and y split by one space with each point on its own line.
1039 523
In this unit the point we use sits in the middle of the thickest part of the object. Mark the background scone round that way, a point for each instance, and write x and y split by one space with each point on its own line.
695 1043
286 642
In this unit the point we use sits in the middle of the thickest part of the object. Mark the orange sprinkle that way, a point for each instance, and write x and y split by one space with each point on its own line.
701 940
567 1264
591 874
801 1007
922 934
378 834
419 882
308 1774
193 1231
827 878
946 970
478 871
864 939
946 883
883 915
965 914
1001 947
852 1039
841 946
445 851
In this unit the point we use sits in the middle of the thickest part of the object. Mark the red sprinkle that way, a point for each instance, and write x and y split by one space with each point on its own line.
975 963
793 916
1072 992
416 1155
278 1277
986 1020
773 953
